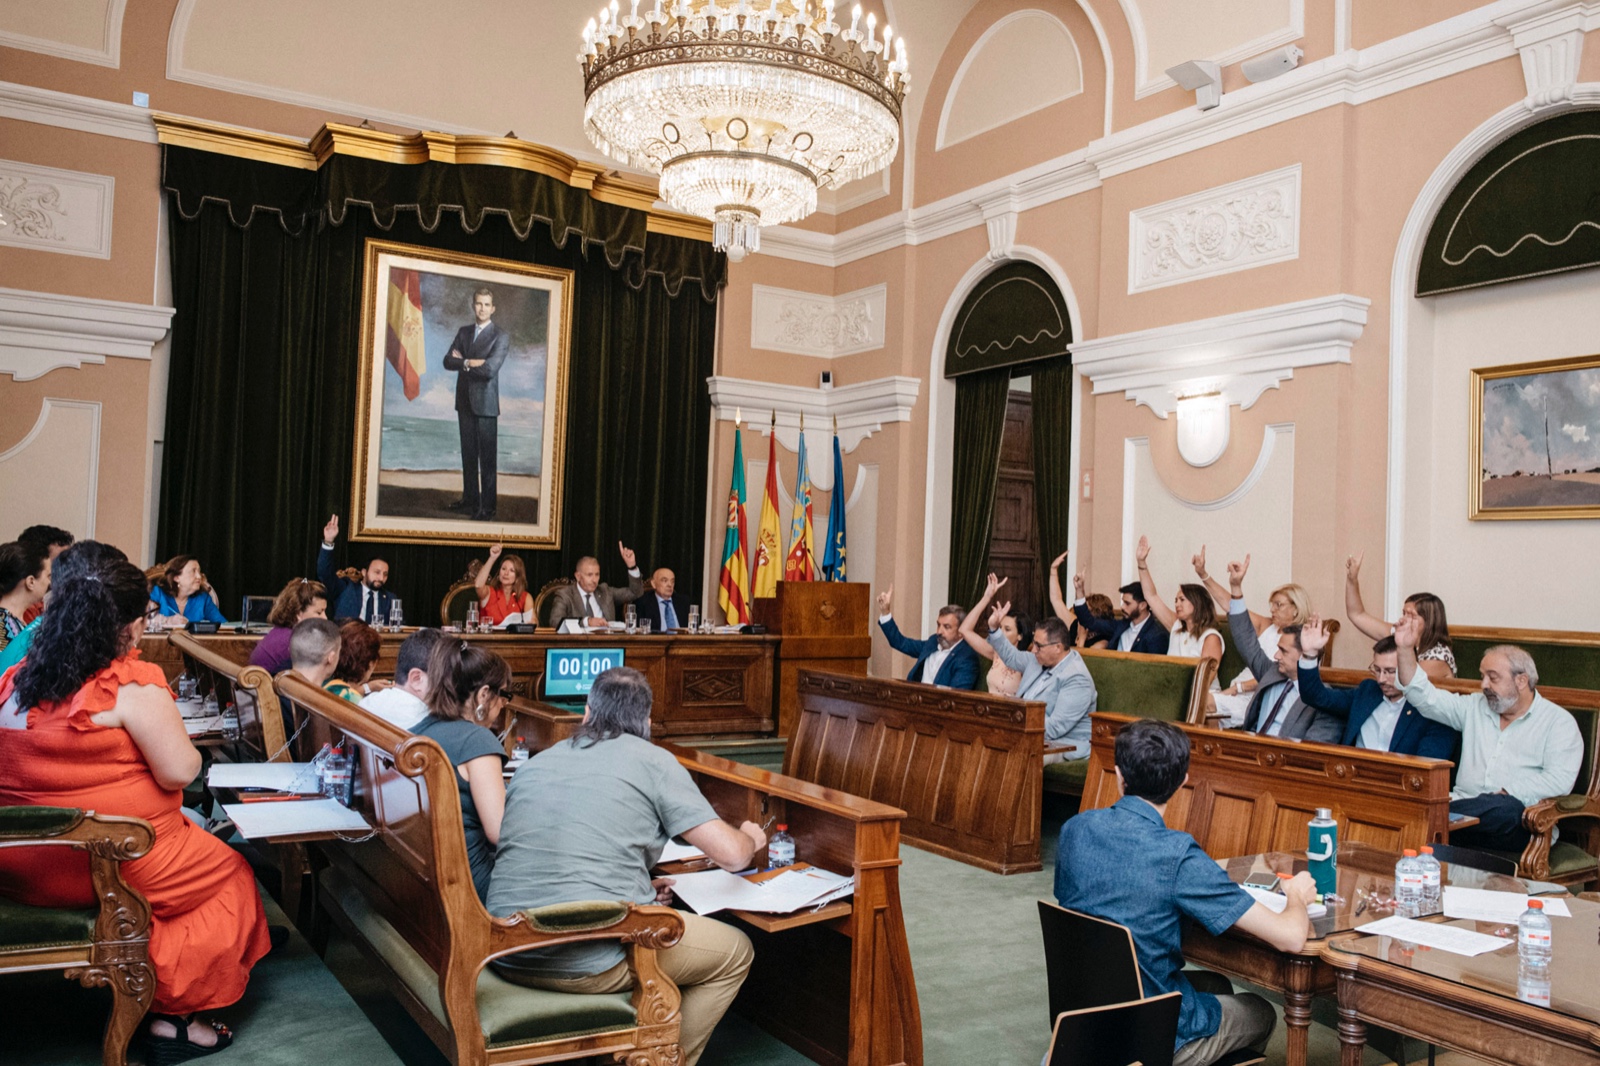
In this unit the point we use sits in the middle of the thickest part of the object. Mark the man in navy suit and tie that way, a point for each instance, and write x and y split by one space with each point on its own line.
366 599
661 604
476 357
1376 713
1136 630
942 659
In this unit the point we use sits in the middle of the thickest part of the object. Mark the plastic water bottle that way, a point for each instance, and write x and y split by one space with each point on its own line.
338 776
230 722
780 850
1533 938
1408 885
1431 872
1322 850
519 750
1533 985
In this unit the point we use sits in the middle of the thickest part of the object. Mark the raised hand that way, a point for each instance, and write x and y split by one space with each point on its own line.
627 555
1408 631
1313 637
1078 586
1352 567
330 532
1236 572
494 551
1058 561
995 585
885 598
1200 563
997 614
1144 550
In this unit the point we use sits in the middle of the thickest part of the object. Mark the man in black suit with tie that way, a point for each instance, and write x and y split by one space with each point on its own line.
1375 712
661 604
476 357
1278 709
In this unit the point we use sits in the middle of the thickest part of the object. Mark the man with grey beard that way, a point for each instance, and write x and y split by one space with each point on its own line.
1517 748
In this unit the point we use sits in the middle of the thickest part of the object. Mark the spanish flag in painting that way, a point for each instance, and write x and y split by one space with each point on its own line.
766 546
403 348
833 561
734 593
801 563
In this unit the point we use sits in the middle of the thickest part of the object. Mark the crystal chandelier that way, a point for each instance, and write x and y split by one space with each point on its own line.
744 112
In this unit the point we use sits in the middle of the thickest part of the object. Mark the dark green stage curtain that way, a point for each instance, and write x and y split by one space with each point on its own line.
262 396
1052 453
980 422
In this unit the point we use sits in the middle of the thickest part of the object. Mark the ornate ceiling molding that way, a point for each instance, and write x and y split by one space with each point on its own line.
51 210
814 324
1239 226
108 54
861 409
42 331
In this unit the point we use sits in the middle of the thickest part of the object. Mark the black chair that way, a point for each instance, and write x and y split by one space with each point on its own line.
1089 962
1456 855
1117 1034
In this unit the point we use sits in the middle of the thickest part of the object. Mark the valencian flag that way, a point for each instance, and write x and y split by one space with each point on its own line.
800 564
765 582
734 593
404 343
833 567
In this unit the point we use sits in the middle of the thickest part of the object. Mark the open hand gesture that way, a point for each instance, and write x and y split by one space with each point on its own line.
1200 563
1408 631
885 599
997 614
627 555
330 532
1143 552
1313 637
1352 567
1236 572
1056 565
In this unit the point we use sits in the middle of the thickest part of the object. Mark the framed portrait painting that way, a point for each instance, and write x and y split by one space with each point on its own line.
1536 440
461 420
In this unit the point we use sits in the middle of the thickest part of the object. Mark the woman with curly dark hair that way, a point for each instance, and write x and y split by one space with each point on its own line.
358 651
180 592
84 723
300 599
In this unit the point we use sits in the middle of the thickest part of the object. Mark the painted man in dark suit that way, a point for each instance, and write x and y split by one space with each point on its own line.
1375 712
942 659
476 356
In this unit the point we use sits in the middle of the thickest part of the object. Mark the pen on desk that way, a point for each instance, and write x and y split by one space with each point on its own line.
276 799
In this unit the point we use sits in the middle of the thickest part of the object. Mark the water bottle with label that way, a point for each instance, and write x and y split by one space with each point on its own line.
519 751
397 615
338 776
1533 985
780 849
1431 876
1408 885
1533 938
694 618
230 722
1322 849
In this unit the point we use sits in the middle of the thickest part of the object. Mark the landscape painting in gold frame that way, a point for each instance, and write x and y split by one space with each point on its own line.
1536 440
461 419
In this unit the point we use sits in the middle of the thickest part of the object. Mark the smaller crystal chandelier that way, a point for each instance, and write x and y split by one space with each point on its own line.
744 113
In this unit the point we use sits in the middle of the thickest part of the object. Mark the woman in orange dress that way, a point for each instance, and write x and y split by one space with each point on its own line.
84 723
508 593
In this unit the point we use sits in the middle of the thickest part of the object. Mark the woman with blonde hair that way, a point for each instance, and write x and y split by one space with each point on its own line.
507 595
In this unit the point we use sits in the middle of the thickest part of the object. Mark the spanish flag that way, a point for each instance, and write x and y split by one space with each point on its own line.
800 565
766 546
404 347
734 593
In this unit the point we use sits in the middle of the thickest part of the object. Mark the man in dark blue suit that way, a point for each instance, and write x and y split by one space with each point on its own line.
942 659
661 604
1136 630
1376 713
476 357
366 599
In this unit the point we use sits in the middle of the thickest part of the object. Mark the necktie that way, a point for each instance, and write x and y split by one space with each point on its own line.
594 608
669 617
1276 707
366 605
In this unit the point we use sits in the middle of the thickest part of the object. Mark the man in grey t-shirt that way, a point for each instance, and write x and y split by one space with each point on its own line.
586 820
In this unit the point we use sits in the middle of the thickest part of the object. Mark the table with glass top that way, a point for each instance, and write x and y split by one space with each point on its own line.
1484 1006
1366 880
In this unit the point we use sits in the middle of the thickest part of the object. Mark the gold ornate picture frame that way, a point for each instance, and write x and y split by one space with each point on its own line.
461 412
1536 440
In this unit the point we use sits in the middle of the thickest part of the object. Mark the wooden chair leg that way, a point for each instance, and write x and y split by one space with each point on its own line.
133 986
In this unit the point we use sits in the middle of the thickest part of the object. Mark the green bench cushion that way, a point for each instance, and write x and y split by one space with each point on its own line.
37 821
508 1013
1141 689
1562 665
1067 777
22 926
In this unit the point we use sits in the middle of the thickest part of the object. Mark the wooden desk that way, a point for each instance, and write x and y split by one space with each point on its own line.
1249 794
837 984
703 685
965 766
1473 1005
1366 875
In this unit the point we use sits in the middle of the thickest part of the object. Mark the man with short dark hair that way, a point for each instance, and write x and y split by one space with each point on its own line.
366 599
475 356
586 819
942 659
1375 712
1134 631
314 649
1277 709
402 703
1122 864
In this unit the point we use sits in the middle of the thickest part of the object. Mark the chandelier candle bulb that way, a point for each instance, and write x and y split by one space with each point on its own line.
872 32
855 17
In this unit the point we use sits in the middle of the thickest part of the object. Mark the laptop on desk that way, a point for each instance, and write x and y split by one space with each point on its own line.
253 616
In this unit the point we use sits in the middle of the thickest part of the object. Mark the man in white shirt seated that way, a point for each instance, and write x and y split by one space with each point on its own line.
403 705
1517 748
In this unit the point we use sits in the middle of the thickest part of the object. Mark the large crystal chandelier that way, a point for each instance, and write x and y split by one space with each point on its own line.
744 112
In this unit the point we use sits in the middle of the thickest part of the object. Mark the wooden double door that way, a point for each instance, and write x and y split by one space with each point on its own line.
1014 536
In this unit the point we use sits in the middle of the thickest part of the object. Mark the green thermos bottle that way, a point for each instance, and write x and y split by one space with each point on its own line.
1322 849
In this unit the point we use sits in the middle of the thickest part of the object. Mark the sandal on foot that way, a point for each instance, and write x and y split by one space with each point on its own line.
171 1050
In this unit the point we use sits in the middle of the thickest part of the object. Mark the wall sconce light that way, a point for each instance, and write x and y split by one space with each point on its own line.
1203 78
1202 428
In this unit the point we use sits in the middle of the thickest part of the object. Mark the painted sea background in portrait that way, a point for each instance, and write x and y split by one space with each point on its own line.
1541 439
419 456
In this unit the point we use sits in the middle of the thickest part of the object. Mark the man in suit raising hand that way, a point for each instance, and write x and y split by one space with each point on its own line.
942 659
476 356
1375 712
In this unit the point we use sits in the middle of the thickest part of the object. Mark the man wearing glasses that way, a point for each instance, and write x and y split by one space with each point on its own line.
1375 712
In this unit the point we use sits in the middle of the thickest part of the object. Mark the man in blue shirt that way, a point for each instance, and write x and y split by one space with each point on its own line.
1122 864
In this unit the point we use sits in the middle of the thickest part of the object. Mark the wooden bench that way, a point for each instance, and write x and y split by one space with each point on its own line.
405 897
1169 687
1568 658
104 946
965 767
1249 794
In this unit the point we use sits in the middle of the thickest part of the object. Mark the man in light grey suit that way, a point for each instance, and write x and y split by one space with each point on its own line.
476 356
1277 709
590 600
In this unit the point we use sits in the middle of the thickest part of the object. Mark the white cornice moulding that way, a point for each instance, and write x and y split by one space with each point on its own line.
42 331
861 409
1240 355
1550 40
28 103
816 324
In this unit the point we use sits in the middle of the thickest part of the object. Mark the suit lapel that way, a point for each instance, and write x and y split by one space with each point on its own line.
483 337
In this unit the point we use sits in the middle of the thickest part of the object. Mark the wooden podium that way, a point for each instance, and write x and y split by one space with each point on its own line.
824 627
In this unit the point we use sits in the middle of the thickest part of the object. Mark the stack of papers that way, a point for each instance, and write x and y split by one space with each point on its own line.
299 777
1505 907
676 852
199 726
263 821
792 890
1451 938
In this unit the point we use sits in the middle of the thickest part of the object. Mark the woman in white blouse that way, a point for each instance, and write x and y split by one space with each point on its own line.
1191 618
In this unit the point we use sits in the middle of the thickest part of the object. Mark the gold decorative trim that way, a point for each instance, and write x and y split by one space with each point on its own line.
607 186
1477 511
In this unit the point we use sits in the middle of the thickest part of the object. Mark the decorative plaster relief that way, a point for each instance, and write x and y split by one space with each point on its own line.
826 327
861 410
54 210
40 331
1238 226
85 35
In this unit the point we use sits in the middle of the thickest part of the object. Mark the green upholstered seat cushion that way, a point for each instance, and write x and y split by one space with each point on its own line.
1067 777
508 1013
36 821
1570 859
1562 665
1141 689
22 926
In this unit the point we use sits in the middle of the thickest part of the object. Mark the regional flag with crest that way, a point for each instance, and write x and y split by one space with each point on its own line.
765 582
833 556
734 591
801 562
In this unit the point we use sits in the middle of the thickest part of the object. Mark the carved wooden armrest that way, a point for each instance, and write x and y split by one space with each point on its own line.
1540 819
110 841
1056 749
1214 720
648 926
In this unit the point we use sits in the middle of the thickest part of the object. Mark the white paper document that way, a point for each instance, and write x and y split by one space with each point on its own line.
283 818
277 776
717 890
676 852
1451 938
1485 906
199 726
